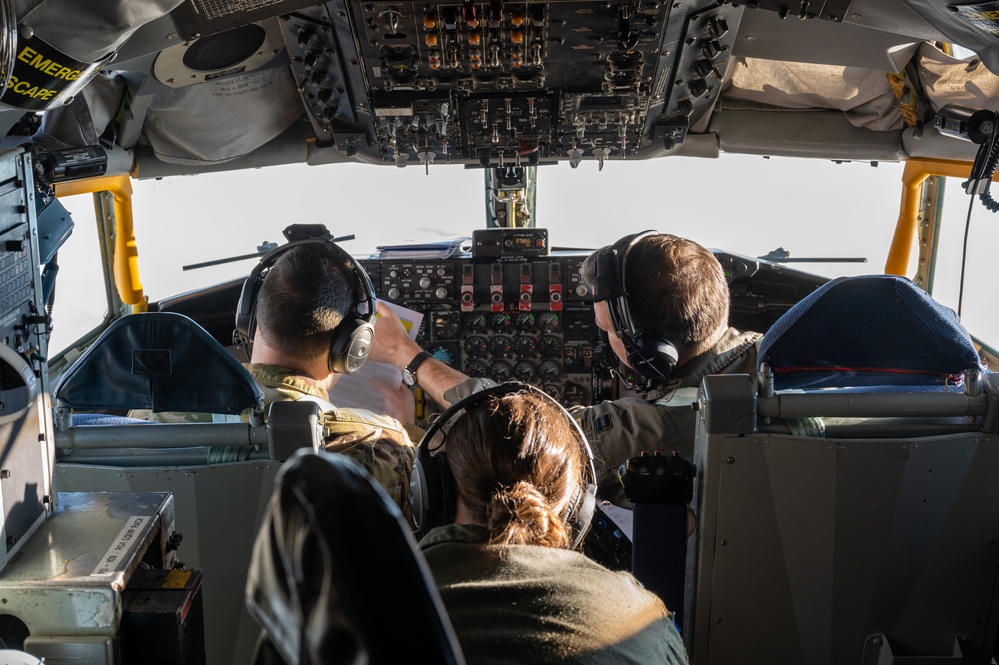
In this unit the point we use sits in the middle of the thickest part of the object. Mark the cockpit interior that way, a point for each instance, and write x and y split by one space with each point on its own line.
807 488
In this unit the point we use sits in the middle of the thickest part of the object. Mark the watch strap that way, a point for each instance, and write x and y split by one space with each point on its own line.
417 360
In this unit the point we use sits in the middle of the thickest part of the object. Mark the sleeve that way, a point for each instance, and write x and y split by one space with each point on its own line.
467 387
618 430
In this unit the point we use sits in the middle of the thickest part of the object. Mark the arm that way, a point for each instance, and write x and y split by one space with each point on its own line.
393 345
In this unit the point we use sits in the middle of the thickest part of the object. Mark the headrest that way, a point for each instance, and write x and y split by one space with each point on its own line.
874 330
160 361
333 548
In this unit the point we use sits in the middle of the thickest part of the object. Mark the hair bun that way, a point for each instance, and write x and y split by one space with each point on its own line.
519 515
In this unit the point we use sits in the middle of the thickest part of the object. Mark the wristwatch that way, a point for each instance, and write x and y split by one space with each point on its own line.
409 373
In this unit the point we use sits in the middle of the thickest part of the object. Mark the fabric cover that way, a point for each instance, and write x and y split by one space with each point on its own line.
160 361
874 330
336 576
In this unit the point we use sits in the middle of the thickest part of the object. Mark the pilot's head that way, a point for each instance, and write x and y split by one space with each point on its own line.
674 288
306 295
520 468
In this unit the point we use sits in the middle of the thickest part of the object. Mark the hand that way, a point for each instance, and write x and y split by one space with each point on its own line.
392 344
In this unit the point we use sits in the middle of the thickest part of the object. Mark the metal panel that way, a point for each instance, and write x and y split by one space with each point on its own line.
218 511
818 543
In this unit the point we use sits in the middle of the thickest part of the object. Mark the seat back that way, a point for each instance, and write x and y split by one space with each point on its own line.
869 536
160 361
336 576
873 330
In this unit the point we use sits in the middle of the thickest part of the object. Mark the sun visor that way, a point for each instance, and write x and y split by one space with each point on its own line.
217 121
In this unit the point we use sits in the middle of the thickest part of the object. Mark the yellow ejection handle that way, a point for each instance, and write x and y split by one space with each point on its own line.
126 252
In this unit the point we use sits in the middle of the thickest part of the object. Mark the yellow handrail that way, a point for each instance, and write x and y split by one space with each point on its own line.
915 172
126 251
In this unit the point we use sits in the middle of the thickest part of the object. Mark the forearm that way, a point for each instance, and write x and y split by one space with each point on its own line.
435 378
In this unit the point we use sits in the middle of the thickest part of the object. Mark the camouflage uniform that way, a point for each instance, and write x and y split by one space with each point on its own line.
380 443
662 419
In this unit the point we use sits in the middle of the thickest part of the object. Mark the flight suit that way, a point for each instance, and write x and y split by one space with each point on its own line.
528 604
379 443
662 419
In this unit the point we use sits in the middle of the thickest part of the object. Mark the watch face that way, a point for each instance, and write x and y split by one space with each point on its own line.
408 378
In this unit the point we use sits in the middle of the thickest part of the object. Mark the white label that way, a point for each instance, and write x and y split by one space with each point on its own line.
119 548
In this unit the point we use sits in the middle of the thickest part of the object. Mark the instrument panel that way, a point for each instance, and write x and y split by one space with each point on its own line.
529 319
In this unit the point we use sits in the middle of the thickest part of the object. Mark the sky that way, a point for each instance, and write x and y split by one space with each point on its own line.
745 204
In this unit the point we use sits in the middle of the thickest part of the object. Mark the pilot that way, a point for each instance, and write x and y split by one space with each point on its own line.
306 329
503 494
664 303
308 308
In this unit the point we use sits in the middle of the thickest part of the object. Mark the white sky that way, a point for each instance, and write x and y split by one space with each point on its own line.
739 203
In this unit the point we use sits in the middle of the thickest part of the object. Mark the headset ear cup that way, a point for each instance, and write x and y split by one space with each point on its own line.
349 348
432 491
652 356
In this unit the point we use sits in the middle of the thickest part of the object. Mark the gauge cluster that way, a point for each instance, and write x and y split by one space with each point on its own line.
529 319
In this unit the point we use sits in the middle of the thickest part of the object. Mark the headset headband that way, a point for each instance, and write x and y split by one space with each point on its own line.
433 494
649 353
351 339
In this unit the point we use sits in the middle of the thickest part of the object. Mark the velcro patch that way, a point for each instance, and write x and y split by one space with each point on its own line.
602 423
151 362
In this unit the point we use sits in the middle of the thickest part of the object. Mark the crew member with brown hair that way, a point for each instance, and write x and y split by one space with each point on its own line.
664 303
504 491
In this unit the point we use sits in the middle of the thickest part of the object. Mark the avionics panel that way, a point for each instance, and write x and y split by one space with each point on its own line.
529 319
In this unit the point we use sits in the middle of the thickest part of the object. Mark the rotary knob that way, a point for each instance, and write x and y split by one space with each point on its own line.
424 282
441 293
393 293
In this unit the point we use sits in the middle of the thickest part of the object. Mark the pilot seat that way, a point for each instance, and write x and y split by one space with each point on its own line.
848 512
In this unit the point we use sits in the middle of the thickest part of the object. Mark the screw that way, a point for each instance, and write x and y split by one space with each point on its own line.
729 460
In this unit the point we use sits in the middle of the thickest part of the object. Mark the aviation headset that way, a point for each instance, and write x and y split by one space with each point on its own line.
433 493
649 353
352 338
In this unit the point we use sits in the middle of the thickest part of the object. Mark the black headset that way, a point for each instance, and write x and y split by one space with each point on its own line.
352 338
433 494
649 353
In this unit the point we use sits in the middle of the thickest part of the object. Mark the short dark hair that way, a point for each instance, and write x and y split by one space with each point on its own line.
676 288
305 295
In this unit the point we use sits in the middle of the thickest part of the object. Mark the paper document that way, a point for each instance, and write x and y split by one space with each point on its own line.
367 387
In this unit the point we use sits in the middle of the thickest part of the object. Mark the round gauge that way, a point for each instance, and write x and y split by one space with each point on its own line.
549 370
443 353
523 320
548 321
445 325
476 346
523 371
574 395
524 345
501 346
476 369
553 389
475 322
499 371
500 321
550 346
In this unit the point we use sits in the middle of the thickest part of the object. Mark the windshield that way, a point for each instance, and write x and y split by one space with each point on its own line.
743 204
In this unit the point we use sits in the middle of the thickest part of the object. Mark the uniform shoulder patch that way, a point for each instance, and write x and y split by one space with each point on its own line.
602 423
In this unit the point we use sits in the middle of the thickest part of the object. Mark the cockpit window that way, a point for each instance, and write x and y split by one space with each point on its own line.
978 310
807 208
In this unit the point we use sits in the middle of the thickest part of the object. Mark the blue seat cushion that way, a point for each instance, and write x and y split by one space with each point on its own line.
874 330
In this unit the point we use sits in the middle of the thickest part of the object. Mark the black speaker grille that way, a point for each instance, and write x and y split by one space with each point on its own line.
225 49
